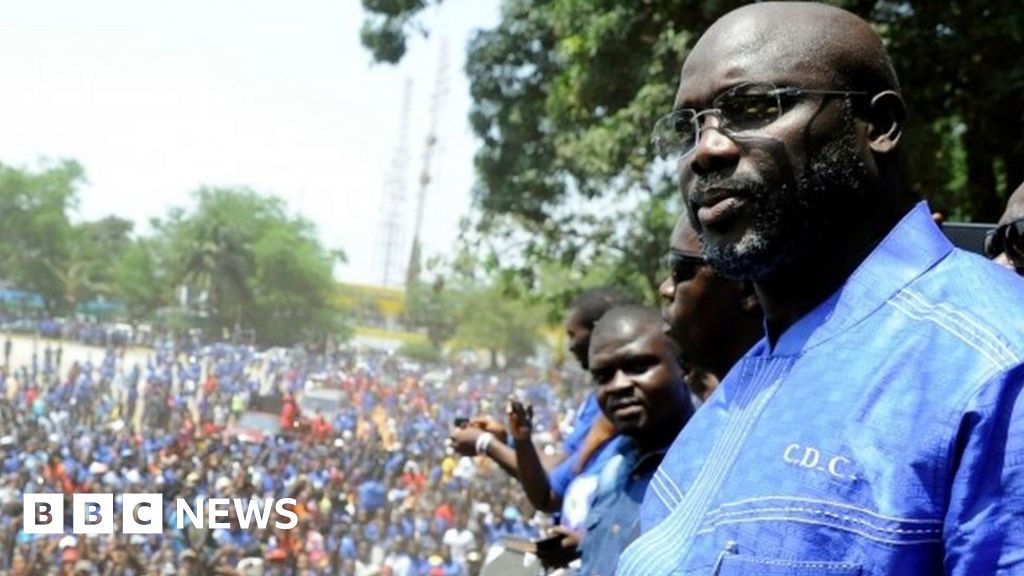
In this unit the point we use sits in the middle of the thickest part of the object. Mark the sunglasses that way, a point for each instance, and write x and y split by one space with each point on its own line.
684 267
1008 239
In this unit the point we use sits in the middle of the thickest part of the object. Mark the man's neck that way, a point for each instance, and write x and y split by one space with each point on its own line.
746 333
798 288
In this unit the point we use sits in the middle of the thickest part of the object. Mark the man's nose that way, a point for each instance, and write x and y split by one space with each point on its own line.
620 382
667 289
714 148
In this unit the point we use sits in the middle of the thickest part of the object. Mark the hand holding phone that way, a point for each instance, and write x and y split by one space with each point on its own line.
558 549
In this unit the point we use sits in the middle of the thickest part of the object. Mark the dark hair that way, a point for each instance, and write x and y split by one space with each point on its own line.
593 303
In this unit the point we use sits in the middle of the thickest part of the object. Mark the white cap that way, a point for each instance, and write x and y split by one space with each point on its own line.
68 541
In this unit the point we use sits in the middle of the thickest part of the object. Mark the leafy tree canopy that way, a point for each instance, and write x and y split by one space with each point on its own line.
249 264
35 232
245 261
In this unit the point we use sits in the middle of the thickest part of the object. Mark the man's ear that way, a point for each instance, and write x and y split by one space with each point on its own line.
886 116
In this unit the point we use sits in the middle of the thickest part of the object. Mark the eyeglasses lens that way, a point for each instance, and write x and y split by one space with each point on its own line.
748 108
745 107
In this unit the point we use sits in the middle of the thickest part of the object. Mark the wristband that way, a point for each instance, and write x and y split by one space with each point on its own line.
483 441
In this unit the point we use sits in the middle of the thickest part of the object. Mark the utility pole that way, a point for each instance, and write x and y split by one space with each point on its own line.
412 272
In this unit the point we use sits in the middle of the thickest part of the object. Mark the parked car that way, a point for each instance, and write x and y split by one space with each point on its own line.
20 326
327 400
254 426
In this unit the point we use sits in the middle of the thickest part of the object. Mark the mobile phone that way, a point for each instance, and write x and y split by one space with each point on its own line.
461 421
552 554
549 544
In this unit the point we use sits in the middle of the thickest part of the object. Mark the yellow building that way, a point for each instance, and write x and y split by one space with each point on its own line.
374 306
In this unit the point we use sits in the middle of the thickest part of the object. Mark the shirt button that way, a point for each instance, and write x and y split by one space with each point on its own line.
616 528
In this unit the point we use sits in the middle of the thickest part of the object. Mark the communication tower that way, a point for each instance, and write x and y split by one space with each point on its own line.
412 273
391 227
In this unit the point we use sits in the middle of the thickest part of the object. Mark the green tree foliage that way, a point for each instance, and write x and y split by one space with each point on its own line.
964 94
292 285
246 262
35 232
489 320
95 248
432 308
565 92
250 265
140 280
388 24
470 309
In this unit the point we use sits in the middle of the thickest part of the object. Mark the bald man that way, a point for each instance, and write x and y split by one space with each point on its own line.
878 427
1005 244
713 319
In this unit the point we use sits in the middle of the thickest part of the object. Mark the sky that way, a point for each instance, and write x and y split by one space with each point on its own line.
156 99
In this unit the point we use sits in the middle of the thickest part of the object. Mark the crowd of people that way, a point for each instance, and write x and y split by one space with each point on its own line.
830 387
377 489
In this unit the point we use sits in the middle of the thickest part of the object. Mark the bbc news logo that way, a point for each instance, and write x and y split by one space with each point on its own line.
144 513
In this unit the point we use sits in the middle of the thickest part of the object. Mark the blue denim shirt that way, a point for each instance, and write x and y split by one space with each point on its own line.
563 474
614 518
882 434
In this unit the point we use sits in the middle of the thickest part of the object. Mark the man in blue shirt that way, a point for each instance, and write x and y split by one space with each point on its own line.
879 427
639 385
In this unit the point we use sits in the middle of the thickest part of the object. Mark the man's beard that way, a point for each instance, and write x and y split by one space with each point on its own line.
800 219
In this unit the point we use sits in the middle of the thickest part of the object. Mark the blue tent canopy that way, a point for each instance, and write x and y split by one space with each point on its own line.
13 298
101 307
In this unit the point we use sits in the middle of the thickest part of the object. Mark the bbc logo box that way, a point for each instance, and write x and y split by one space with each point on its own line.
43 513
93 513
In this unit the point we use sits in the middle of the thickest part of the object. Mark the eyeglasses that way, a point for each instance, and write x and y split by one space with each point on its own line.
741 109
1007 239
684 267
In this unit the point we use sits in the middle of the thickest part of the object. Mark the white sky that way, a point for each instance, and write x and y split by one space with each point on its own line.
156 98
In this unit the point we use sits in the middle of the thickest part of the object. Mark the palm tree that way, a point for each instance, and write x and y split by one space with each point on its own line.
218 265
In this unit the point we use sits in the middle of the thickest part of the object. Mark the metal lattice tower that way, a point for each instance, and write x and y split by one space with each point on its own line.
391 227
436 102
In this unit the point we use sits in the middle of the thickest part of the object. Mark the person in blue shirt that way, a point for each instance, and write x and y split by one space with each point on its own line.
714 320
639 385
545 486
878 428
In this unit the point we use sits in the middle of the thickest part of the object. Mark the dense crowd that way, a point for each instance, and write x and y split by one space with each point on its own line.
377 490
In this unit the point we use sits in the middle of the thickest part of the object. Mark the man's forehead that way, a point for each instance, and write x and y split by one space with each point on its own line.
1014 206
750 47
610 348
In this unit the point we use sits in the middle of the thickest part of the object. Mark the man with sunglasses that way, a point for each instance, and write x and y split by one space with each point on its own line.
713 319
879 426
1005 243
